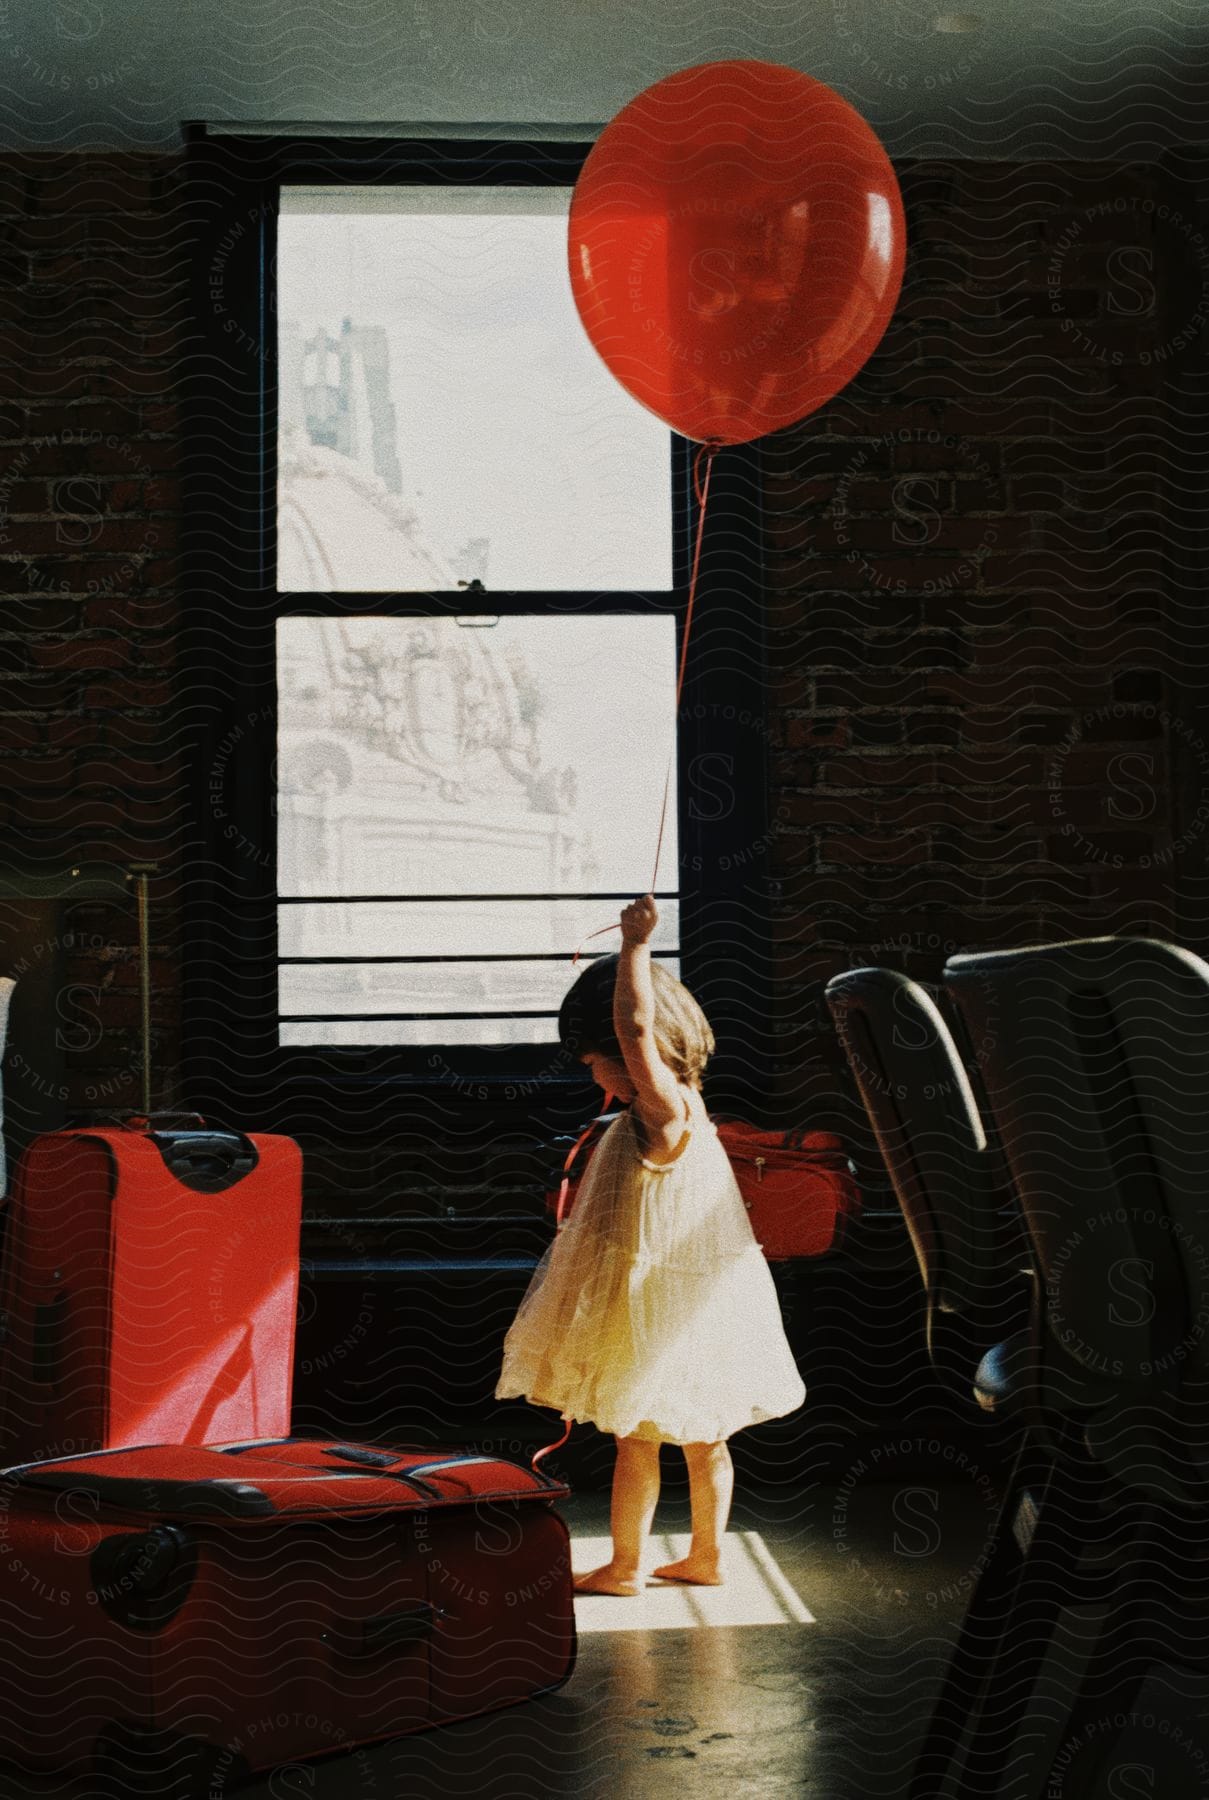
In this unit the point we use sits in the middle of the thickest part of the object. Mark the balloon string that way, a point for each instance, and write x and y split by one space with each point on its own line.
559 1222
546 1448
706 453
572 1153
701 490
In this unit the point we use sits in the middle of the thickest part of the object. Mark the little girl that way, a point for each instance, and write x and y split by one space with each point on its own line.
653 1313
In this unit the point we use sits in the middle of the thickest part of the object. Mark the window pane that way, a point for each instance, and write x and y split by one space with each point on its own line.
456 762
443 415
441 987
417 1034
461 928
417 756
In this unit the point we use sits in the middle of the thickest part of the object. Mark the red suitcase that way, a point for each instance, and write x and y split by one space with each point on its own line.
149 1289
177 1618
798 1186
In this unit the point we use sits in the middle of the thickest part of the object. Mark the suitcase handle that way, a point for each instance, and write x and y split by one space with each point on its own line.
206 1158
145 1121
382 1461
207 1161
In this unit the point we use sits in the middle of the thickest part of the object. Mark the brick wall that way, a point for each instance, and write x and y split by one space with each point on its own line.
988 729
92 286
984 711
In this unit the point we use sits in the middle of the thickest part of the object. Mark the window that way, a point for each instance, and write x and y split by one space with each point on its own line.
459 805
443 416
460 799
437 561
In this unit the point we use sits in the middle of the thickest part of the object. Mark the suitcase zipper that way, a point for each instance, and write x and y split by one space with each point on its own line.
539 1475
450 1462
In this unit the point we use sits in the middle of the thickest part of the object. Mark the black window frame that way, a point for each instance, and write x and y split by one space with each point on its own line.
231 1062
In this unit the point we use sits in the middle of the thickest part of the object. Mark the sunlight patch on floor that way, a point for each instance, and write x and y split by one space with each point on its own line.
754 1591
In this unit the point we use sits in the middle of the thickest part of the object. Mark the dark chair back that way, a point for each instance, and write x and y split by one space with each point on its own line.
927 1125
1095 1059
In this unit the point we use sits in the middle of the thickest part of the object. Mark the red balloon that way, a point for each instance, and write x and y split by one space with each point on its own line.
736 244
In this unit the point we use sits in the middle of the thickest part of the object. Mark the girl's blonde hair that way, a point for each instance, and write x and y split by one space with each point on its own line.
682 1031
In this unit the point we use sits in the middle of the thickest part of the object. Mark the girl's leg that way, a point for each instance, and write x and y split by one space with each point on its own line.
711 1483
635 1497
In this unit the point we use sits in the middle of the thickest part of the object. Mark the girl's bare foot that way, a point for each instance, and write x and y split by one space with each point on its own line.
605 1581
703 1569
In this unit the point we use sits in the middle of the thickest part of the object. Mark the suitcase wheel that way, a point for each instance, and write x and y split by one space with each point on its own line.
136 1762
143 1579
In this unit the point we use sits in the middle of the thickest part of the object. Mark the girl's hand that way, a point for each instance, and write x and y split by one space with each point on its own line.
658 1103
638 920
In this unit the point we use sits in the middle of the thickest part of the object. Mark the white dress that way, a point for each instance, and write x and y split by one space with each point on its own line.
653 1312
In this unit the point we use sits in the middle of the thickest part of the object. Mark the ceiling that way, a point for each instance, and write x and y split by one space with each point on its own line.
1017 80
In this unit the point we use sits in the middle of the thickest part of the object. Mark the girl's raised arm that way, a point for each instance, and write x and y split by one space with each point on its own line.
657 1100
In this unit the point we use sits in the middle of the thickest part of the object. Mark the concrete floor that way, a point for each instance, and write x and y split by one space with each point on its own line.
811 1671
674 1694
